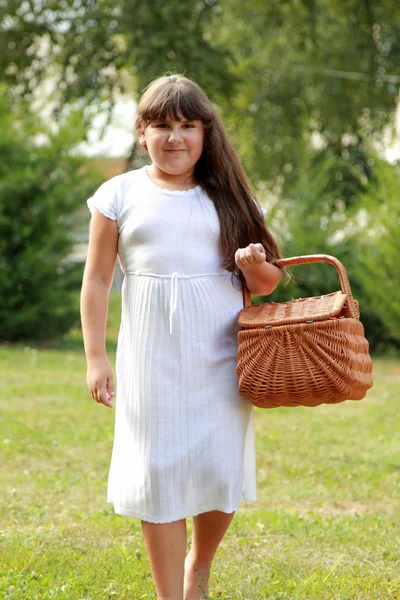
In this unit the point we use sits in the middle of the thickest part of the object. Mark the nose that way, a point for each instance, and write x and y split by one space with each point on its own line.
175 135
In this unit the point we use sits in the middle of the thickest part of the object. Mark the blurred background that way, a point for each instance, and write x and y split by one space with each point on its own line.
309 91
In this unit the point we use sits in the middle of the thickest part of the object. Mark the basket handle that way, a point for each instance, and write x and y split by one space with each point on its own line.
313 258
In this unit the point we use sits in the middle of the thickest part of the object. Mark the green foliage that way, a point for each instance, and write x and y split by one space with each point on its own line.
173 35
281 71
290 77
40 188
313 218
98 48
379 245
306 69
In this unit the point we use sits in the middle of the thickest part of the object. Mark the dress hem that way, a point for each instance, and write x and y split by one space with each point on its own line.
155 519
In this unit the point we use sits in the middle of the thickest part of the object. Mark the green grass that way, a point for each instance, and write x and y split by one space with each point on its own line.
326 525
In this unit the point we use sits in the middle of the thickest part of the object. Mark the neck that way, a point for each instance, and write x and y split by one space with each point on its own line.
179 181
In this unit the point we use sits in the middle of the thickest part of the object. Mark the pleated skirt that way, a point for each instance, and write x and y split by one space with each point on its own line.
184 437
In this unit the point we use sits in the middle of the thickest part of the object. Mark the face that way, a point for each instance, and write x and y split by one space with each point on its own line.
173 146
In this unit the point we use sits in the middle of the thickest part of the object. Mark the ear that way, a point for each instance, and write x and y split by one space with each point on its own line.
142 138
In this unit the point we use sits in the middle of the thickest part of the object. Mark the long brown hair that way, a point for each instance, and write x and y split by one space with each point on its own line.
218 170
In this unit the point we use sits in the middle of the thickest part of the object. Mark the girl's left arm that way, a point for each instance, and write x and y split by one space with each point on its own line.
261 277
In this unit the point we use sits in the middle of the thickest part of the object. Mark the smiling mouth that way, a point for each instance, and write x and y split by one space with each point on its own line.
174 151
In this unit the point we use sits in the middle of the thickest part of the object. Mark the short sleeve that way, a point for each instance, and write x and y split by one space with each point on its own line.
105 199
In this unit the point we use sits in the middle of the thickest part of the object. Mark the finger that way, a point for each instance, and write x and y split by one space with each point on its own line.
110 391
238 255
258 252
97 396
100 395
257 247
110 386
238 258
94 395
245 255
104 397
249 255
92 392
107 402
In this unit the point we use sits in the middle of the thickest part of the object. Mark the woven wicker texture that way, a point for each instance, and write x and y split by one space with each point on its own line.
304 352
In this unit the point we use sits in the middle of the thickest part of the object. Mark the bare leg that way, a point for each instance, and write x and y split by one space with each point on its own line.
166 549
208 530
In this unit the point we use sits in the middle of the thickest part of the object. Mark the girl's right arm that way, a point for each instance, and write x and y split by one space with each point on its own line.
96 286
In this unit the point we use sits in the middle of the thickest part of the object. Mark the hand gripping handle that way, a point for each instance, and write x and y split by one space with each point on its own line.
316 258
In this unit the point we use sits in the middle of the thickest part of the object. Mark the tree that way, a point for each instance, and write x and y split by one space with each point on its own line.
315 72
41 185
313 219
305 86
285 73
378 243
94 49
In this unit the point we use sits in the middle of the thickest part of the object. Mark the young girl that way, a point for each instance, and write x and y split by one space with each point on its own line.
183 229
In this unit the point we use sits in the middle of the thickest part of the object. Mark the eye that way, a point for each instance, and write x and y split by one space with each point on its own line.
161 125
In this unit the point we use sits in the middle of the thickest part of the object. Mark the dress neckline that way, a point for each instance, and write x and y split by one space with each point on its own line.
189 192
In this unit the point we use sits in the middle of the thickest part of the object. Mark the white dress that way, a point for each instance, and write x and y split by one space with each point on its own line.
184 437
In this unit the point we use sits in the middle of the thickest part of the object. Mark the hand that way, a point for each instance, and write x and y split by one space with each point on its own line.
100 381
252 255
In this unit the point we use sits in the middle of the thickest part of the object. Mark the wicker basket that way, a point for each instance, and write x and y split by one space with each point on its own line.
304 352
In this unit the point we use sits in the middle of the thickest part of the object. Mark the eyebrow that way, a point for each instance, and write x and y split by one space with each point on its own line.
181 120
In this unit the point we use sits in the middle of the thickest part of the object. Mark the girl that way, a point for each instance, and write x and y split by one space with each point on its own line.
183 229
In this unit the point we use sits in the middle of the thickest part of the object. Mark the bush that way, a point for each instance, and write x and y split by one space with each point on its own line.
379 246
314 218
41 186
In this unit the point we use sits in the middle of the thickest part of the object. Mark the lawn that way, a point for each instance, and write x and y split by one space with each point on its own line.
326 525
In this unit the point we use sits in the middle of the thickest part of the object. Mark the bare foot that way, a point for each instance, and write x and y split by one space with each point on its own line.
196 580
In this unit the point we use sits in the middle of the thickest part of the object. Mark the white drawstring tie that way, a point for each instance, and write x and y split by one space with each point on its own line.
173 298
